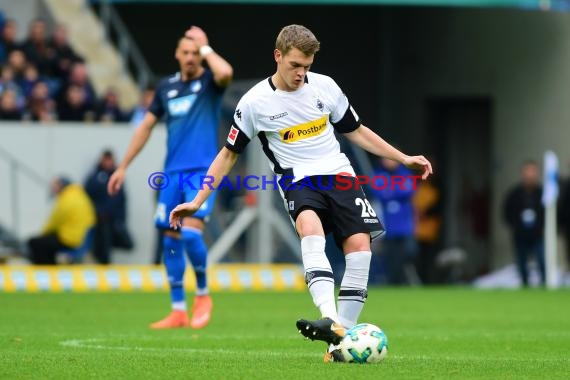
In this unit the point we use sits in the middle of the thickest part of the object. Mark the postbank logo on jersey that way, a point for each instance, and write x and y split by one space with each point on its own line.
304 131
181 106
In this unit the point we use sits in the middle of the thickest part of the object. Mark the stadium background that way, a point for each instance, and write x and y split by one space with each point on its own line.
482 85
480 88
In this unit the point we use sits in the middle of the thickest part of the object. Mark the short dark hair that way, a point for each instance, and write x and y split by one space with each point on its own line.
63 180
530 162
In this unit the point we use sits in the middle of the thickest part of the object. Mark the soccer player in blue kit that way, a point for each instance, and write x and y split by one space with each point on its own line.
190 101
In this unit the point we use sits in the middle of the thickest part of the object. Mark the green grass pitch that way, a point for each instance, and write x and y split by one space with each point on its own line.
441 333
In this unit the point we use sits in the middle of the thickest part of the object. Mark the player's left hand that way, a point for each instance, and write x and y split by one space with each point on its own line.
180 212
419 163
198 35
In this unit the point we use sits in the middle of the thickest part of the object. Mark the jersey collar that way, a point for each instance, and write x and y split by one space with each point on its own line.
272 85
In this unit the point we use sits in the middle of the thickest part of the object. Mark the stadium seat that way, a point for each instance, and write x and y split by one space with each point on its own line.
76 255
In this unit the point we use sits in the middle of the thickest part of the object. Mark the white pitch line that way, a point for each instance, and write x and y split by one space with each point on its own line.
472 359
98 344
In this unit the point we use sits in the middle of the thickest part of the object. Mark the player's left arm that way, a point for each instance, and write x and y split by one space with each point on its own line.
221 69
346 121
365 138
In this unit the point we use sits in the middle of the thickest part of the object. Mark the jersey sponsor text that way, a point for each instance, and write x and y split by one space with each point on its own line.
304 131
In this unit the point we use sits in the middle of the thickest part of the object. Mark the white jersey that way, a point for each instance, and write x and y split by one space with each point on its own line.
296 128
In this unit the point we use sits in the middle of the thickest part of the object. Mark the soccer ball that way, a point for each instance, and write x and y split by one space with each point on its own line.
364 343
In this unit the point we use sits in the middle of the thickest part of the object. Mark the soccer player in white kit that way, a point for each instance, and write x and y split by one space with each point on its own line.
295 113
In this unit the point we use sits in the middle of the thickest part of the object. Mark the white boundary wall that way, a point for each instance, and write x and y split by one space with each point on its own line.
73 149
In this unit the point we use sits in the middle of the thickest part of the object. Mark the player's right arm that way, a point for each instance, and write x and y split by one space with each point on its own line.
222 70
220 167
138 141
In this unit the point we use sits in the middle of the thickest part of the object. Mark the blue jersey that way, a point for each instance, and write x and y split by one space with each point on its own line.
396 198
192 115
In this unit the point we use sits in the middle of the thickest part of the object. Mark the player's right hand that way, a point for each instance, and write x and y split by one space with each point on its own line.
116 181
198 35
180 212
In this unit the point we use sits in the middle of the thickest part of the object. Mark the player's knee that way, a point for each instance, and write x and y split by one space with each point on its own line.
172 246
309 224
309 231
356 243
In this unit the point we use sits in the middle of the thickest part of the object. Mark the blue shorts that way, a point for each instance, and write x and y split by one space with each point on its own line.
182 187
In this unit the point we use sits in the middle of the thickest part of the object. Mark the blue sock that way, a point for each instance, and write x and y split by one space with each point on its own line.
198 254
175 263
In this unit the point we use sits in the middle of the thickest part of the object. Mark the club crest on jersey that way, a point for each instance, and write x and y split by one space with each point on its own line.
171 93
196 86
232 136
304 131
181 106
320 105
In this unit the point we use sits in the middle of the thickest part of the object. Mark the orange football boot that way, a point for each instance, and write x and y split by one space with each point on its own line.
176 319
201 311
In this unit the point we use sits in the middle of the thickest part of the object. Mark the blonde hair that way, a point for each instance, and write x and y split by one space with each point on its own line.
297 36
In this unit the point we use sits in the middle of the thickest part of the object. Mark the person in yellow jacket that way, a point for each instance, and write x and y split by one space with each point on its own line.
73 215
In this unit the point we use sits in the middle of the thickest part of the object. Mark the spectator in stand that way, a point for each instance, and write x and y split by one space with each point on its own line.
8 106
564 217
140 110
7 82
74 107
428 207
8 38
30 77
110 230
524 214
2 46
17 61
108 110
40 106
7 77
65 56
79 77
73 215
37 49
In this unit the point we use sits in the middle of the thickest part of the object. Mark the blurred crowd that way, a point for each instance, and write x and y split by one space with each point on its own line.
42 78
